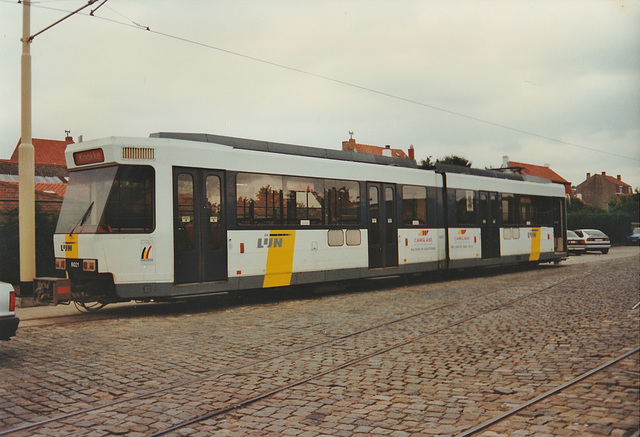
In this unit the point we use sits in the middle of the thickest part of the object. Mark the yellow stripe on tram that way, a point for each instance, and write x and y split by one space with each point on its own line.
280 259
71 246
536 237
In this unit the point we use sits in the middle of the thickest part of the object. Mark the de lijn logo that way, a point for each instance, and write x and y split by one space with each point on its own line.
273 240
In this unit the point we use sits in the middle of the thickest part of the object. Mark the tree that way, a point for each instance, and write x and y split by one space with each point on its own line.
454 160
428 164
629 204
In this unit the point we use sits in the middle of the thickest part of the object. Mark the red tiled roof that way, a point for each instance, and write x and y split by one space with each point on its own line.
540 171
46 187
49 152
373 150
614 180
59 189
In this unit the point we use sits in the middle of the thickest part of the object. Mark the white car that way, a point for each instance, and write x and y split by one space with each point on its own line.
8 320
594 240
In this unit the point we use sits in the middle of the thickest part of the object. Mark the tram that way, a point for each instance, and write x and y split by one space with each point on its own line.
180 215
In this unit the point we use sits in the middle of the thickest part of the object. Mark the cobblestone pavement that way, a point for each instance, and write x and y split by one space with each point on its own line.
476 348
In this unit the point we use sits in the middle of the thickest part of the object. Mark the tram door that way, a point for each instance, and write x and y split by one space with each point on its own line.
199 232
383 229
489 228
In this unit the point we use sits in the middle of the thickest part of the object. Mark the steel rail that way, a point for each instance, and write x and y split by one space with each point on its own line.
543 396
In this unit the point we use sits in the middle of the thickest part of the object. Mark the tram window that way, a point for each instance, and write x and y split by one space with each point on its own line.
304 200
342 202
465 211
374 213
527 214
414 205
390 214
117 199
542 210
509 210
130 205
260 199
186 231
214 213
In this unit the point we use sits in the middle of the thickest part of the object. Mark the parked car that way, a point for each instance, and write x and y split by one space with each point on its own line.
575 244
594 239
634 238
8 320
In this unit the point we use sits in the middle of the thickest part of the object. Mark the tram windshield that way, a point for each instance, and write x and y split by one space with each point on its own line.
115 199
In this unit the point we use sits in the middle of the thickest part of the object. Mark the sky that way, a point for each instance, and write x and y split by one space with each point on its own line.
544 82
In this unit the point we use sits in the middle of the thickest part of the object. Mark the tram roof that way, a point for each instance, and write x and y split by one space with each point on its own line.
341 155
447 168
288 149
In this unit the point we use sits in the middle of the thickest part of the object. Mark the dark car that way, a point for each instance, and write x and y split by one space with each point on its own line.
8 320
634 238
575 244
594 239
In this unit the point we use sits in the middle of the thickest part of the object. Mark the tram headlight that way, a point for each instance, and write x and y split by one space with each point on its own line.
89 265
61 264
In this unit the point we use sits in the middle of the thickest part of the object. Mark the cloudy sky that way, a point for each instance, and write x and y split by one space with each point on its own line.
544 82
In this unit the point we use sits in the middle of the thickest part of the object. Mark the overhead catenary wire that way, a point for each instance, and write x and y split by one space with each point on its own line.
133 24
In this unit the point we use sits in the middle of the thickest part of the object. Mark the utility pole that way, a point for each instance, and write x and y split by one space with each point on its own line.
26 161
26 165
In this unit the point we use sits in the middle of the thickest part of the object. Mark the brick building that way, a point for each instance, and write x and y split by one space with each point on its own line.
598 189
51 175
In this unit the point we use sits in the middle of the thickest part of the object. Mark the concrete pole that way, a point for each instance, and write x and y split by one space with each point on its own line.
26 166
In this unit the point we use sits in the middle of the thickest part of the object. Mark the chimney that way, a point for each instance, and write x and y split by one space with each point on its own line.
349 146
604 173
412 153
505 161
588 175
619 177
68 137
386 151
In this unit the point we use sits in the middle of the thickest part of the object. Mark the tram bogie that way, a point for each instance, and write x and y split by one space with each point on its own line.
185 215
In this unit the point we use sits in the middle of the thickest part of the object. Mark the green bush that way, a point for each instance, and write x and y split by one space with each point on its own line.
616 222
617 225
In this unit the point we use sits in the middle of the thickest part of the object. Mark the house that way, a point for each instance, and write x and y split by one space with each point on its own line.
541 171
51 175
352 146
46 152
598 189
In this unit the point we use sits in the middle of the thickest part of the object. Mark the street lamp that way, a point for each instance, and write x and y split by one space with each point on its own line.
26 162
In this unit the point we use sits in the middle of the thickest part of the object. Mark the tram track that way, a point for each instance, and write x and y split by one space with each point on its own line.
343 366
489 423
353 362
129 311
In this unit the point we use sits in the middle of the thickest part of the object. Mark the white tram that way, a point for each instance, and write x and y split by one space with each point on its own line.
182 215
